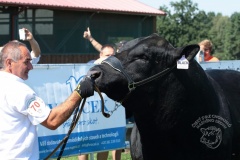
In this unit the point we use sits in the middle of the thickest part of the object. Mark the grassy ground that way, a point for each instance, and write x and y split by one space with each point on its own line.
125 156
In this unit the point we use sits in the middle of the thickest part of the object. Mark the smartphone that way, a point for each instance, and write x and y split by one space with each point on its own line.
22 34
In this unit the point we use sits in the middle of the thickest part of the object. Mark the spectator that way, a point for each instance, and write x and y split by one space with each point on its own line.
22 110
206 47
87 35
36 52
106 51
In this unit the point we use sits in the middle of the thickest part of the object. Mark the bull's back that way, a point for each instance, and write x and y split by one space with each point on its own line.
229 81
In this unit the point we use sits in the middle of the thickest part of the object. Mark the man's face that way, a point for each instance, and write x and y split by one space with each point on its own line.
21 67
106 52
206 50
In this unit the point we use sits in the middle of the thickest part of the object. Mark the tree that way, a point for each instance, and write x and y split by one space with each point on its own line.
232 38
217 33
189 25
185 25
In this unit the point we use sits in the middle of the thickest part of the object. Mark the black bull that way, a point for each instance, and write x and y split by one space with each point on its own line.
183 114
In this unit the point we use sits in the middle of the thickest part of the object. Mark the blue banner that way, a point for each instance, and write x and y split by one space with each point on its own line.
93 132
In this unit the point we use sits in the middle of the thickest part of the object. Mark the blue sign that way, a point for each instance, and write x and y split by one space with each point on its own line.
93 132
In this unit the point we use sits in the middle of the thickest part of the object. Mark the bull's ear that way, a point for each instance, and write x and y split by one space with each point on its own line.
189 51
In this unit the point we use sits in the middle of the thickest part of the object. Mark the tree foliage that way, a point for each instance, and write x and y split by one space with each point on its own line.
188 24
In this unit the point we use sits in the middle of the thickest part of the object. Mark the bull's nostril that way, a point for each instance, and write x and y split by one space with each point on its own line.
94 74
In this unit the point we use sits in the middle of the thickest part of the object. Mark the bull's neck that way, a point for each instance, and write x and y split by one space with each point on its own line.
195 81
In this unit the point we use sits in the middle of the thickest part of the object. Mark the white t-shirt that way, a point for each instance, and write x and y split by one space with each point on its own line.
35 60
20 111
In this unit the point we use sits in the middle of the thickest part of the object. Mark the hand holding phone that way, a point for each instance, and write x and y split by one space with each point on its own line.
22 34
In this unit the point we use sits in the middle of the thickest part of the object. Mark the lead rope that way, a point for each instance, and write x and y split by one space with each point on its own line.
65 139
73 124
103 112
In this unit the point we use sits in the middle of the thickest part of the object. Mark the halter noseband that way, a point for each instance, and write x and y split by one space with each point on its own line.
116 64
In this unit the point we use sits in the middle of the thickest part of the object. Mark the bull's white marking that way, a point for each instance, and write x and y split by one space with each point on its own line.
210 127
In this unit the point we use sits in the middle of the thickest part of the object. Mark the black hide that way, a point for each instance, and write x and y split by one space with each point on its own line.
182 115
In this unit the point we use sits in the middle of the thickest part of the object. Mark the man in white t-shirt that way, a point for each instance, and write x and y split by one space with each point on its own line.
21 110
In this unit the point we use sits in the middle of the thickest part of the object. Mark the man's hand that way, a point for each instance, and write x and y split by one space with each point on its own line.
86 87
29 35
87 34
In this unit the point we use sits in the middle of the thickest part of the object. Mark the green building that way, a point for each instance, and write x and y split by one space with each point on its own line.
58 25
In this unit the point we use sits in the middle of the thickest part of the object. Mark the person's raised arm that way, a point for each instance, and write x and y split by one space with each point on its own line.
87 35
33 43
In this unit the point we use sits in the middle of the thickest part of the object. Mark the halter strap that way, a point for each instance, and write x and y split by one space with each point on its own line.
116 64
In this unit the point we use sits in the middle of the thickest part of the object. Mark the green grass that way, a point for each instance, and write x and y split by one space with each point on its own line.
124 156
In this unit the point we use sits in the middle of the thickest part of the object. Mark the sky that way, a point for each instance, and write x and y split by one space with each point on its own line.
226 7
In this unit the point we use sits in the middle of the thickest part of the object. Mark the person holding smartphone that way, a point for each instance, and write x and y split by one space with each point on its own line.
35 49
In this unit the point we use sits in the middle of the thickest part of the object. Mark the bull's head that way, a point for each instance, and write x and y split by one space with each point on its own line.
138 60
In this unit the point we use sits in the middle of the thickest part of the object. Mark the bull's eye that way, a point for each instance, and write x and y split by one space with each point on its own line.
143 57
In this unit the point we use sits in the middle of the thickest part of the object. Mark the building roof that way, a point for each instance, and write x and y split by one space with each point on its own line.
133 7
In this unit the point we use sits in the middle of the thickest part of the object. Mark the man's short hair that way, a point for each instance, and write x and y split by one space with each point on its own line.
107 46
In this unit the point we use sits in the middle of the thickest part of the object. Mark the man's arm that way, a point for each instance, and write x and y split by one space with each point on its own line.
96 45
33 43
62 112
